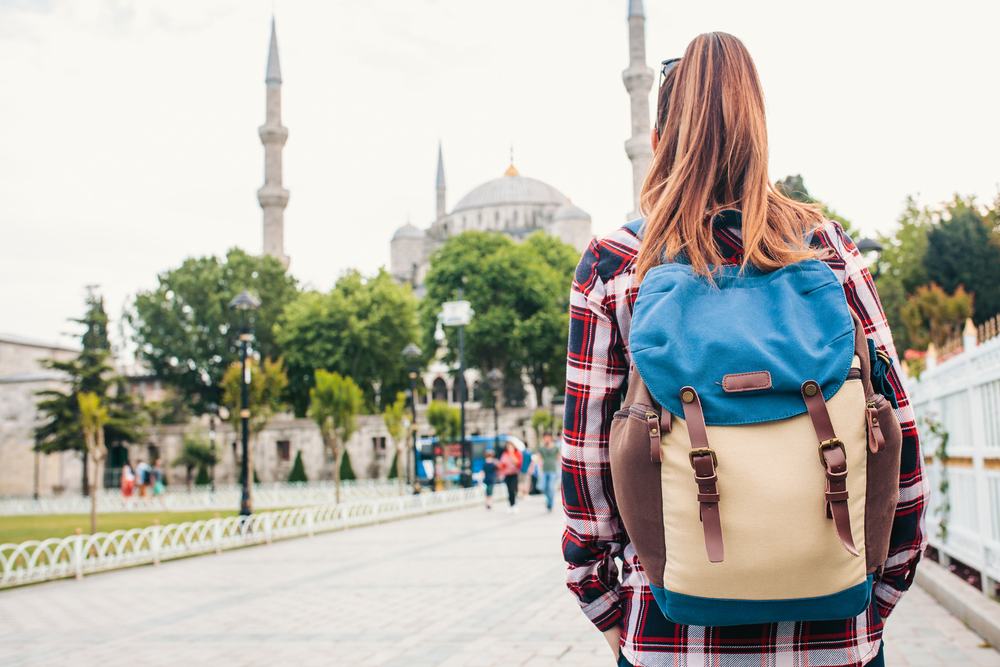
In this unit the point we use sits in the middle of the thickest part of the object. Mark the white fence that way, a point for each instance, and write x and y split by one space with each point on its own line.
269 495
77 555
962 394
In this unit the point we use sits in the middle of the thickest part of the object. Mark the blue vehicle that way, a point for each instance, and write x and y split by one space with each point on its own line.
452 453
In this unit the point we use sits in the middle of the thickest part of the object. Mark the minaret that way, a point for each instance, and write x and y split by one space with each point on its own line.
440 185
638 80
272 197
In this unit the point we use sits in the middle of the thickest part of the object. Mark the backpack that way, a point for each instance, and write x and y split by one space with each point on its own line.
755 469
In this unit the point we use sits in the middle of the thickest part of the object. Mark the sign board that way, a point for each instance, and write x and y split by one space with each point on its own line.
456 313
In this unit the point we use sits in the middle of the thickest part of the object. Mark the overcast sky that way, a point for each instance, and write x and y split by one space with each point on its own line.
128 130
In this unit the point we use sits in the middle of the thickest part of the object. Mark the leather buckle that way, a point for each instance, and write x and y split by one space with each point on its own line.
703 451
832 443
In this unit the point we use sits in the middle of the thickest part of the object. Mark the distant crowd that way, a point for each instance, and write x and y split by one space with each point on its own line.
142 481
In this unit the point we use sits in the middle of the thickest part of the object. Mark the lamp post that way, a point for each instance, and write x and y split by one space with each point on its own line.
411 353
244 304
495 380
459 313
866 246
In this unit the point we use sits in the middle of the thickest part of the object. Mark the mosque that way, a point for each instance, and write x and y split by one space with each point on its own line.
515 205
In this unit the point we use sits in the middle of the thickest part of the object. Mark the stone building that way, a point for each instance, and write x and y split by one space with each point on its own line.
23 471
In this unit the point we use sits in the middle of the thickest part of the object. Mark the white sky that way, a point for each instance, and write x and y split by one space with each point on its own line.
128 130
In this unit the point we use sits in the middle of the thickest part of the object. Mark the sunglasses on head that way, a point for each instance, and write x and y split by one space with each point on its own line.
665 68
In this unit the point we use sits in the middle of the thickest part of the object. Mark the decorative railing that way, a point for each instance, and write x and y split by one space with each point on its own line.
268 495
960 398
77 555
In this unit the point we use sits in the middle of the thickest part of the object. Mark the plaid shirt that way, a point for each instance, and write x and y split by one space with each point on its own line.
601 303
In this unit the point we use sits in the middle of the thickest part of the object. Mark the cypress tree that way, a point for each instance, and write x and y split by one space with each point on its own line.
393 472
298 473
202 479
346 471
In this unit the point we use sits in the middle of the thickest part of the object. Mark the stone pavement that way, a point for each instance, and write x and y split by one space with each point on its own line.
472 588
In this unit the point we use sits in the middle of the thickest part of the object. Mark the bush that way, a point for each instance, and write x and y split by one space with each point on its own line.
393 471
202 479
298 473
346 471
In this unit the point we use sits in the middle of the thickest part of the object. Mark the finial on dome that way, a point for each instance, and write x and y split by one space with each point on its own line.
511 171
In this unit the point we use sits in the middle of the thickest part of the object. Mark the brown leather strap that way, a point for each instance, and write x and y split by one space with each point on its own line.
834 458
704 463
876 441
653 424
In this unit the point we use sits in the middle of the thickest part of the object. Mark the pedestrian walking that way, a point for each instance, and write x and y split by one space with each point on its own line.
143 478
158 478
127 481
489 476
510 468
549 454
750 336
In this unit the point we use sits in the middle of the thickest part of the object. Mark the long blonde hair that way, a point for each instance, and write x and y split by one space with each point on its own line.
712 156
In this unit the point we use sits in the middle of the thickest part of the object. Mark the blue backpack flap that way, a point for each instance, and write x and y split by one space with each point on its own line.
793 323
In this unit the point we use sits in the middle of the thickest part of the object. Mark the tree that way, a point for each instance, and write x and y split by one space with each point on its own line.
183 327
542 422
932 316
171 409
396 422
195 453
445 420
794 188
394 468
264 397
298 472
203 477
962 251
93 417
334 403
358 329
518 291
88 372
346 469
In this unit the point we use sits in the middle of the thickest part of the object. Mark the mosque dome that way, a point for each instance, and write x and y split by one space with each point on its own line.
408 231
569 211
511 188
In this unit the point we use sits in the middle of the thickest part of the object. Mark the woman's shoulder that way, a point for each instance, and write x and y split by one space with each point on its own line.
611 255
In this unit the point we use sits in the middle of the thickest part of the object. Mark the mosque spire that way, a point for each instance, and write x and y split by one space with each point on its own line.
638 80
272 196
440 185
512 170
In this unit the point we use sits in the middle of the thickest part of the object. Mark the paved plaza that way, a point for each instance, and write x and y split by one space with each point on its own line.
471 588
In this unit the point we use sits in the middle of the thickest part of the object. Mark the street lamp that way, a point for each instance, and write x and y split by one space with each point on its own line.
495 380
411 353
866 246
244 306
459 313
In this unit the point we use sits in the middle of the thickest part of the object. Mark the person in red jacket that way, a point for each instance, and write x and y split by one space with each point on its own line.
510 467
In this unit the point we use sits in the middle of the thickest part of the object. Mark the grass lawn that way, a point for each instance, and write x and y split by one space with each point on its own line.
17 529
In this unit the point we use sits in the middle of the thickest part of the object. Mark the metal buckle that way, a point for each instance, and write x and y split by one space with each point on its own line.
703 451
830 444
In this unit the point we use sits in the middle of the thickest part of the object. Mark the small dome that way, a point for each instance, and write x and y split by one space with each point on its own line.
510 189
408 231
570 212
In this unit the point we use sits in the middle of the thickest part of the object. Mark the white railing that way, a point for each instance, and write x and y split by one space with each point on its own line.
962 394
77 555
269 495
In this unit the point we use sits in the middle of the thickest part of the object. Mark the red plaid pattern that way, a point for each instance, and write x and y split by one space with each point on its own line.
601 303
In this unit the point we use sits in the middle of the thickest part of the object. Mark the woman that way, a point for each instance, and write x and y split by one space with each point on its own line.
708 200
510 467
127 483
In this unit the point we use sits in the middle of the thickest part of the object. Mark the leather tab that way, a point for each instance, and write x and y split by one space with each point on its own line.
653 424
876 441
739 382
703 461
834 458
